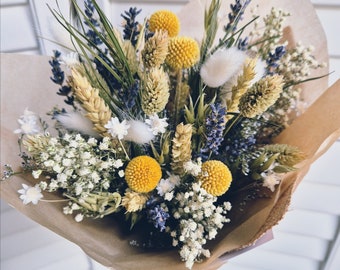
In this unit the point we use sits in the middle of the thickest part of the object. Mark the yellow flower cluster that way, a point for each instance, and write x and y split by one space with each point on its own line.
215 177
165 20
142 174
183 52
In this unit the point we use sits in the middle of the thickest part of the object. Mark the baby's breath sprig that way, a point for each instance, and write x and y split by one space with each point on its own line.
269 38
7 172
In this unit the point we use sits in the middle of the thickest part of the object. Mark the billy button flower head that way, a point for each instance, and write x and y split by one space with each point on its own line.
261 96
183 52
215 177
164 20
142 174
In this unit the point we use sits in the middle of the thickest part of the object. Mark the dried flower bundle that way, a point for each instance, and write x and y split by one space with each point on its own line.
161 131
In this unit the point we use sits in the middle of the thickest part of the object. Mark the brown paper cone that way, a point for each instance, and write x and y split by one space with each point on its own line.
25 84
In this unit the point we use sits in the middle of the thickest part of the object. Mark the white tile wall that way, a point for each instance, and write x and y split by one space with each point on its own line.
312 224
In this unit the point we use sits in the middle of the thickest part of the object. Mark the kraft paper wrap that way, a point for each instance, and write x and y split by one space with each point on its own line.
25 83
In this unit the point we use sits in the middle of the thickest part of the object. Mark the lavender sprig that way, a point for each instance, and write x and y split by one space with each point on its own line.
59 78
158 217
129 97
242 44
91 34
215 123
237 11
272 60
131 30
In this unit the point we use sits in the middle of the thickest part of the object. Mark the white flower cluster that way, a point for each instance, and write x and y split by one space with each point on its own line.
272 32
270 180
30 123
80 166
137 131
199 219
297 63
193 168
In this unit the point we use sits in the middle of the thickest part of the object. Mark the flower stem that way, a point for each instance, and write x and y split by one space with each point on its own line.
126 154
235 120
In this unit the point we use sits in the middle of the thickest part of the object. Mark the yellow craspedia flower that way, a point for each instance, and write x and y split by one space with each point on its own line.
215 177
164 20
143 173
183 52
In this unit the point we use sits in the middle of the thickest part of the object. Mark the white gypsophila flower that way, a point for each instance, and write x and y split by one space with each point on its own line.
164 186
174 179
53 185
67 162
71 59
227 206
193 168
79 217
157 125
67 210
78 189
95 177
221 66
36 174
116 128
270 180
75 206
92 141
29 123
104 145
43 185
199 220
138 132
86 155
169 196
76 121
121 173
117 163
105 184
30 194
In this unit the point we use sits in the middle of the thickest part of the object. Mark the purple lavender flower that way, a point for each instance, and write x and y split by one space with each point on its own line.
214 125
91 34
242 44
58 77
243 141
131 31
273 58
158 217
235 15
129 97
